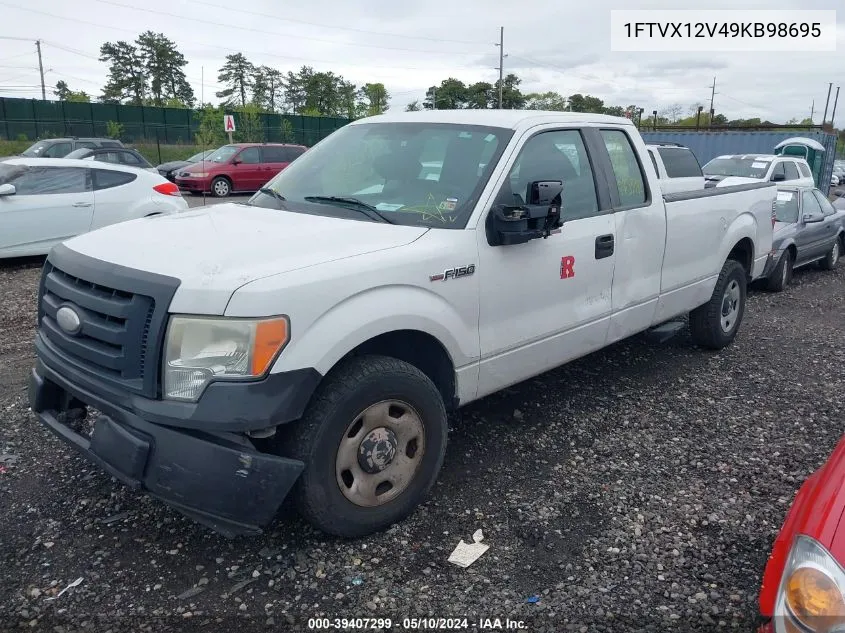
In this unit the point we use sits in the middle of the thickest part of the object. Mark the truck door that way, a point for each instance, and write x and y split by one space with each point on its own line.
546 301
640 225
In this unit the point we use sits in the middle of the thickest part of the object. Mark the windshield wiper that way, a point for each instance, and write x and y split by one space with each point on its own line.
353 203
274 194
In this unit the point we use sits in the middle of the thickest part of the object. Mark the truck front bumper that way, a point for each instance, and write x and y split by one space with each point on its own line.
218 478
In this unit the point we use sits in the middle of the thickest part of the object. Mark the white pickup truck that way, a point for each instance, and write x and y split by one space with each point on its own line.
311 341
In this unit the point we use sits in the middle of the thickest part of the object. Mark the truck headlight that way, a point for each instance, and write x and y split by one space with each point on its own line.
199 350
811 597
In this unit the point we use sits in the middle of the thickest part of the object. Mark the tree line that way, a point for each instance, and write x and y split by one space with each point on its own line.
454 93
151 71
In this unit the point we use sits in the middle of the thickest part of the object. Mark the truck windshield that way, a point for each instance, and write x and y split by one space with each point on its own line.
413 173
750 167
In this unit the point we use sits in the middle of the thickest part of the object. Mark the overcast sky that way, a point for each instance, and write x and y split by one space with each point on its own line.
409 46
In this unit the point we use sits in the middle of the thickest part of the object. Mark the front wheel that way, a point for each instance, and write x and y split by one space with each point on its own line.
782 274
832 258
715 324
373 441
220 187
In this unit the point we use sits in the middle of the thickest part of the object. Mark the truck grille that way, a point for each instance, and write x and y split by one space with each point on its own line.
122 319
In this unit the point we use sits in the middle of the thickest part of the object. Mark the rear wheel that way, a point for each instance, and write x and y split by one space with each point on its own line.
715 324
832 257
782 274
373 441
221 187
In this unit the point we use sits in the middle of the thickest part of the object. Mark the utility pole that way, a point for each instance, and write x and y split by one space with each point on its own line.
41 70
712 95
835 101
501 68
827 103
812 111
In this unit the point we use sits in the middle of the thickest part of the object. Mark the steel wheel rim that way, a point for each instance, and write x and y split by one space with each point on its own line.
834 254
380 453
221 188
786 269
730 306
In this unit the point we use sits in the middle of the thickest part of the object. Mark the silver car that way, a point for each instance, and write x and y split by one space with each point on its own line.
808 229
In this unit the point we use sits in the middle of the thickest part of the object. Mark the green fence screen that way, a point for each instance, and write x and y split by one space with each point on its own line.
34 119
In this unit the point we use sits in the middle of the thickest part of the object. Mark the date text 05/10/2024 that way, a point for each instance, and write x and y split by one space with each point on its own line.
420 624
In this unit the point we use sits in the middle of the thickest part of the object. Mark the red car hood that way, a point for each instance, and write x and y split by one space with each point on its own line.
817 512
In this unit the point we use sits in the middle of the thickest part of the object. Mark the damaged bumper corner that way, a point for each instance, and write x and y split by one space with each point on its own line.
216 478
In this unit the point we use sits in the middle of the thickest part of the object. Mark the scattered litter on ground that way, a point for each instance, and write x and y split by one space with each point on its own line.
532 599
465 554
75 583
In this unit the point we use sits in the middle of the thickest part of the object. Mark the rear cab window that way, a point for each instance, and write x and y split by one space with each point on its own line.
805 170
630 180
680 162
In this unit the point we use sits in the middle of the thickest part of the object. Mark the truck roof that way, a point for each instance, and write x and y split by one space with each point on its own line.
512 119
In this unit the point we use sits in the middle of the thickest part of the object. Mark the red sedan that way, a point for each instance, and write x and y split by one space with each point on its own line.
804 583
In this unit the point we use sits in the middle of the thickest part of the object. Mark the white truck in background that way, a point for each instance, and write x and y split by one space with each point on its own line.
311 341
676 166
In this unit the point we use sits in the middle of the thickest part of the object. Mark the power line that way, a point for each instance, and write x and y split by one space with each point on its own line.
276 33
205 43
340 28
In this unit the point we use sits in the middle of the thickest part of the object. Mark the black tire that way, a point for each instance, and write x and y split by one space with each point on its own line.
832 258
221 187
706 321
315 439
782 274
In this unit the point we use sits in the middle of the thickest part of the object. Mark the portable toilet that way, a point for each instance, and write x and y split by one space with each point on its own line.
808 149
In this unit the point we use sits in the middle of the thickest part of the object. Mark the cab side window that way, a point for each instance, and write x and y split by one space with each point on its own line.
779 169
805 171
250 156
630 180
810 204
791 170
558 155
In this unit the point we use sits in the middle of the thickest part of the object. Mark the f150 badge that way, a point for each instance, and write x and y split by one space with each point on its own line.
453 273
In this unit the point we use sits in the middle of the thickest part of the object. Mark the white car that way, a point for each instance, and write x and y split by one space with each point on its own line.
737 169
676 166
44 201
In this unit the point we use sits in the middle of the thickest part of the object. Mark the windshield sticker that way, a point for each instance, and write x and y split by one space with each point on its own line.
784 196
490 137
465 135
757 165
384 206
448 204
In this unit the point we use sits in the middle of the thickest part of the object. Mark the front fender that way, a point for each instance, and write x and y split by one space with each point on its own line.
363 316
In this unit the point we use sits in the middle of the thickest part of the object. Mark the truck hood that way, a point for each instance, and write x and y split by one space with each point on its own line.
214 251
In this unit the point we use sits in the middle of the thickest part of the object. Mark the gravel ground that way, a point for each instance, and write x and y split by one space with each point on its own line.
639 488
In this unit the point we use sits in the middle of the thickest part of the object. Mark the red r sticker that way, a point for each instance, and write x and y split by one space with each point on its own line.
567 267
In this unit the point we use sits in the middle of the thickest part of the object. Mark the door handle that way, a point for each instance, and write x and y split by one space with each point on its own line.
604 246
82 204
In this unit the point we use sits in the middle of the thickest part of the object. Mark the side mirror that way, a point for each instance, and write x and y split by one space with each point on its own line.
236 161
778 177
507 224
7 190
811 218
